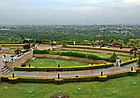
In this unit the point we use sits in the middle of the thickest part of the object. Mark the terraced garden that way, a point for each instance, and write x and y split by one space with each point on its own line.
46 70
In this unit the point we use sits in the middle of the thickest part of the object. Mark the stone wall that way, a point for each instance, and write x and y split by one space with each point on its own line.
20 60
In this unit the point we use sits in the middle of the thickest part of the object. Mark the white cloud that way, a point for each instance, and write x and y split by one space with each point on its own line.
69 11
132 1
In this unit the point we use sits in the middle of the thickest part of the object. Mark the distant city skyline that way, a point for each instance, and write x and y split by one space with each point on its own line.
55 12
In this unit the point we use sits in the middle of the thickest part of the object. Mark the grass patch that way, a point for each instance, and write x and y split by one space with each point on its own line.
125 87
101 55
43 62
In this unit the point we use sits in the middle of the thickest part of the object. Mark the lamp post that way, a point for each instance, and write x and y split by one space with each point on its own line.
58 76
13 75
131 68
101 73
58 65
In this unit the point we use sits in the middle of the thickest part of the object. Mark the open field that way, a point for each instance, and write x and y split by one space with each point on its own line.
125 87
41 62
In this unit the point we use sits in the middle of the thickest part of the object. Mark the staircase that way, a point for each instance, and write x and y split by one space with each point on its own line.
5 70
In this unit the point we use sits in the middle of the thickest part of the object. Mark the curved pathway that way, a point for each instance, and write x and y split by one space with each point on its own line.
65 74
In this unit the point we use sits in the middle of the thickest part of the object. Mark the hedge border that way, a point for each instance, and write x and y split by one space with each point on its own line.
75 68
72 54
103 78
129 61
85 47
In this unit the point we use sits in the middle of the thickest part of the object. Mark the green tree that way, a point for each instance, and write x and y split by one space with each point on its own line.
113 57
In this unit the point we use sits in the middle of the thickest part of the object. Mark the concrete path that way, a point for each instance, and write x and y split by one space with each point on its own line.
93 72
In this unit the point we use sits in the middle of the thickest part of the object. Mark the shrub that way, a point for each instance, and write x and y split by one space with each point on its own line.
36 51
113 57
90 56
74 54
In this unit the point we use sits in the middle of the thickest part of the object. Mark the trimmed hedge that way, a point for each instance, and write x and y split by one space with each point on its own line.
129 61
118 74
76 68
13 80
71 53
74 54
36 51
103 78
26 80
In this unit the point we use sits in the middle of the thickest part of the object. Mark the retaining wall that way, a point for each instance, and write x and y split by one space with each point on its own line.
21 60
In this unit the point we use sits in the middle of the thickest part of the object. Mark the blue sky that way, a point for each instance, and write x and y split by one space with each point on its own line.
69 11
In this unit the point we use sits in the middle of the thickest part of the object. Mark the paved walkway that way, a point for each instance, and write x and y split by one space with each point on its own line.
93 72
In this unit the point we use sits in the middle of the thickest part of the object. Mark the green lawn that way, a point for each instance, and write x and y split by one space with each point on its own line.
126 87
122 58
54 62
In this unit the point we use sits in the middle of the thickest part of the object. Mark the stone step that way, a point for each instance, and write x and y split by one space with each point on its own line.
8 71
5 70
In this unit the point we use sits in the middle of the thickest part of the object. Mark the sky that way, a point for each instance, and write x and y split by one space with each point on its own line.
64 12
